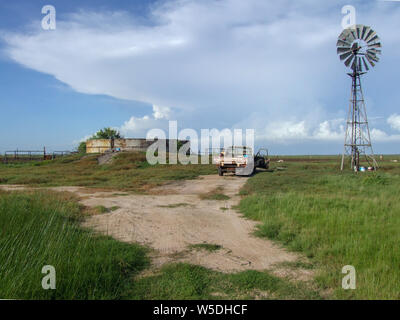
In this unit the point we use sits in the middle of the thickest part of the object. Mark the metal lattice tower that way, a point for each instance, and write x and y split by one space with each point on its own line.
357 46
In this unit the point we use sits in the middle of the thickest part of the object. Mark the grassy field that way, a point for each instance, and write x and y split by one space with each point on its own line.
305 203
128 172
42 228
334 218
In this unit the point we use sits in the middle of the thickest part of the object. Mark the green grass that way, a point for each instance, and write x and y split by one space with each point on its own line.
216 194
103 209
175 205
335 219
129 171
42 228
206 246
185 281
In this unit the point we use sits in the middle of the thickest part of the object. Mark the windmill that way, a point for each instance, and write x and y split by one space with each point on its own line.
358 46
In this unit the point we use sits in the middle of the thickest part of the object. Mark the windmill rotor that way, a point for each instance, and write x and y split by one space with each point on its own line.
358 47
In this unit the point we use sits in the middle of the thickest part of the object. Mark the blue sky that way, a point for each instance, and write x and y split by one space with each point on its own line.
134 65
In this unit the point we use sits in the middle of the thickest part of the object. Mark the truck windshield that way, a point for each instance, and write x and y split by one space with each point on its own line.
238 151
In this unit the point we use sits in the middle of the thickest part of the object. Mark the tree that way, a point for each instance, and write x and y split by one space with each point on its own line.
82 147
107 133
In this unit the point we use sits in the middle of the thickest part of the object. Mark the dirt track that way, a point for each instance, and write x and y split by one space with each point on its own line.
174 217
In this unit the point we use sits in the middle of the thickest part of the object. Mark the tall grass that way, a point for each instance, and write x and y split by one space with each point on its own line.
38 229
336 219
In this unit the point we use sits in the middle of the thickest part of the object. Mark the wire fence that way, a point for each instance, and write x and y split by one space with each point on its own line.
32 155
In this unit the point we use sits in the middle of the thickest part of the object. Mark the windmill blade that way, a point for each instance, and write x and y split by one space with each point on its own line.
367 32
343 49
365 29
365 64
370 34
375 45
359 30
353 33
374 38
344 34
372 56
341 42
359 64
370 61
345 55
371 53
375 51
349 60
347 35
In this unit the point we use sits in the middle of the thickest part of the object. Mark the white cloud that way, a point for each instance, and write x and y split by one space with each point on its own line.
286 130
295 130
161 112
138 127
381 136
330 130
394 121
190 54
214 62
85 138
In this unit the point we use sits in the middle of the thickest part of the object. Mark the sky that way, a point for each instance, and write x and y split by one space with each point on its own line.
265 65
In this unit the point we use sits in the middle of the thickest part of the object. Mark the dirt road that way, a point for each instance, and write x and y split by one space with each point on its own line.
174 217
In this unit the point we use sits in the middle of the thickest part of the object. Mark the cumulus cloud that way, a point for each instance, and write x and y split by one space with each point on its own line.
381 136
212 61
161 112
394 121
189 54
286 130
137 127
329 130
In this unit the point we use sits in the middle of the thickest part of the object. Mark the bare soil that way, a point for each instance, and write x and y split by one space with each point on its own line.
173 217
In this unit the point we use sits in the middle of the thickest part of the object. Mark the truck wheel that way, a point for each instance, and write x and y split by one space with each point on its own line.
220 172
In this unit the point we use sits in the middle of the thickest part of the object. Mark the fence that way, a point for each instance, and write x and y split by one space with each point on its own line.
31 155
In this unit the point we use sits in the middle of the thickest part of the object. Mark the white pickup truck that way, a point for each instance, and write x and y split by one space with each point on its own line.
241 160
